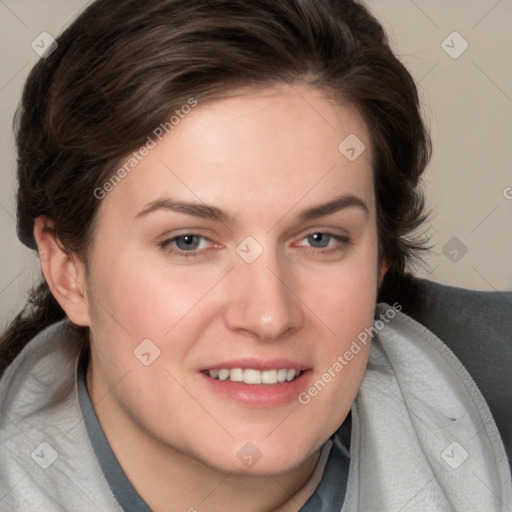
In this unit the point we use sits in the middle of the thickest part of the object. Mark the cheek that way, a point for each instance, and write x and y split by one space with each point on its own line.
133 302
145 299
344 302
344 297
125 306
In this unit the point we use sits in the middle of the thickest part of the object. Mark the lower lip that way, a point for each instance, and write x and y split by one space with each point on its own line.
259 395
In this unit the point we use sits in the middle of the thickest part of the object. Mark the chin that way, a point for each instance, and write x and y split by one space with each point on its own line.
261 458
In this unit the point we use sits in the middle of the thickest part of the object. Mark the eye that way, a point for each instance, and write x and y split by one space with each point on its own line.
323 243
319 240
188 244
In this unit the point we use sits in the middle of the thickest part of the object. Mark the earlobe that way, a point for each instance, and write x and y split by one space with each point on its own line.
64 272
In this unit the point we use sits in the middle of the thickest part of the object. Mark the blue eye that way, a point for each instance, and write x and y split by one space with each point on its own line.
324 244
187 242
319 240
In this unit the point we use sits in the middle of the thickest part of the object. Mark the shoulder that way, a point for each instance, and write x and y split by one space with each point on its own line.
466 320
477 327
46 460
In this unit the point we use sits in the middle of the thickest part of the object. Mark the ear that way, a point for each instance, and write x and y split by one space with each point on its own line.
64 272
384 267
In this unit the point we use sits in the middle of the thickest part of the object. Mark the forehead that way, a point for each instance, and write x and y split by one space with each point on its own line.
254 149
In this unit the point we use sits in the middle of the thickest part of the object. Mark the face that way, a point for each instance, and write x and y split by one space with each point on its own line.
230 270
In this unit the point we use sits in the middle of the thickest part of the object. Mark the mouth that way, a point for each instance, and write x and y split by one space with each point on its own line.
253 376
257 383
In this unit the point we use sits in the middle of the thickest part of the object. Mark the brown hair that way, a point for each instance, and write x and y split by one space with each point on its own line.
122 67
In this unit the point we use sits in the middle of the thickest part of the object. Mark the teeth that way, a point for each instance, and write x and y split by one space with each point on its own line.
250 376
236 375
269 377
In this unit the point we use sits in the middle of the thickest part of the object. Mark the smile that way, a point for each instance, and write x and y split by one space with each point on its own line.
252 376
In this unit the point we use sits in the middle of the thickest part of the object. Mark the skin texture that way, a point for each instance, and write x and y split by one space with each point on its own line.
263 158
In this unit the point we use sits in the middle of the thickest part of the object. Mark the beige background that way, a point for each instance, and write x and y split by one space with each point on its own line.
468 105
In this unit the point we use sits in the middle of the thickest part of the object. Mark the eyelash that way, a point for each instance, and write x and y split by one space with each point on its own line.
343 242
167 245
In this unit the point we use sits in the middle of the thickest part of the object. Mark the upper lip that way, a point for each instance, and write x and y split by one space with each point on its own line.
257 364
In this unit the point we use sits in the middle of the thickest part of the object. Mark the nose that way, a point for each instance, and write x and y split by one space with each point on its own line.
262 301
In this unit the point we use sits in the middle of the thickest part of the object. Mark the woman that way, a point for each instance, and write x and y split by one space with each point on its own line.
218 192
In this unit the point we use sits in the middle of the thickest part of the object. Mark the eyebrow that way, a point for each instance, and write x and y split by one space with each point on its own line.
213 213
340 203
195 209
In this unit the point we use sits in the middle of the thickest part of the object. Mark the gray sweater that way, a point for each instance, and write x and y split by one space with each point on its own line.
477 327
